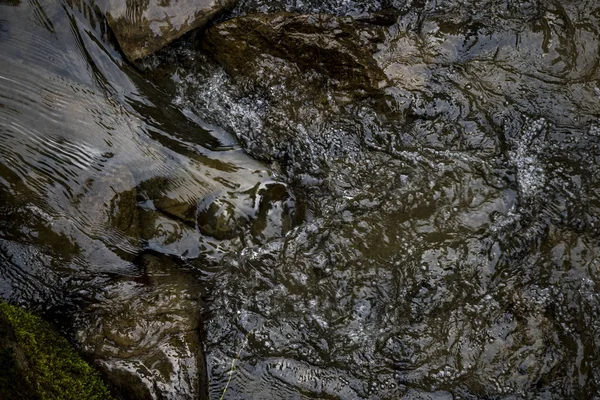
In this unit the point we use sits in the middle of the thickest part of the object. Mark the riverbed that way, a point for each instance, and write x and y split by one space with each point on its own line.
340 199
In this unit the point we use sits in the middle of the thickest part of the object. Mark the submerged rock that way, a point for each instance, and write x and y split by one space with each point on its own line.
168 201
295 75
264 212
339 48
221 220
144 333
277 212
354 8
144 26
444 253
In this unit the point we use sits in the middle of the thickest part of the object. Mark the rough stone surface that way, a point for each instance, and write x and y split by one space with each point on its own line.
144 26
469 184
340 48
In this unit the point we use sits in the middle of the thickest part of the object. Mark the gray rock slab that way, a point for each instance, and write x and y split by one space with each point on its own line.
145 26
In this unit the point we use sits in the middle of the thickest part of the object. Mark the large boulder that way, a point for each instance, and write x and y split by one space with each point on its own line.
145 26
295 72
338 48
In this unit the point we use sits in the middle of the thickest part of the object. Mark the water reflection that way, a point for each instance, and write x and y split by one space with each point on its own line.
99 171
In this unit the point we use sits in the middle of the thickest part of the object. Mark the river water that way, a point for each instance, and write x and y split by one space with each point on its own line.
197 234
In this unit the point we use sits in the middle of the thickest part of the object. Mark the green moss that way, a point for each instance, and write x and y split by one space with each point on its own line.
11 383
38 363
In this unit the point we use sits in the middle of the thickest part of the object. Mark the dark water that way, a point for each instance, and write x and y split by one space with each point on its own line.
439 242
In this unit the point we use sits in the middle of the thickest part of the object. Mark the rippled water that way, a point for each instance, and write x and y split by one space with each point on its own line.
98 172
437 240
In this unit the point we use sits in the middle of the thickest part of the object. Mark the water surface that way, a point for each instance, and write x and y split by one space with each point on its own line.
437 241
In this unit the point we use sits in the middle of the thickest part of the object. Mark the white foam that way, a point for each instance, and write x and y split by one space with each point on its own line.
531 176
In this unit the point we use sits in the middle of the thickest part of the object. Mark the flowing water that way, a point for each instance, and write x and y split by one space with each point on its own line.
436 239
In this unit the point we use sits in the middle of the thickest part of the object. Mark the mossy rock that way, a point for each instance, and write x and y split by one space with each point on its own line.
37 363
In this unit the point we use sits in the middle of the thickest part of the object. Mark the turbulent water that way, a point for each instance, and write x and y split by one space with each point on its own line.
436 239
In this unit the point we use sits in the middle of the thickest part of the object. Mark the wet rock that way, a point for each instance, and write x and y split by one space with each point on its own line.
265 212
220 220
338 48
145 333
162 192
37 363
277 212
124 213
173 222
144 26
421 215
169 235
354 8
177 208
299 80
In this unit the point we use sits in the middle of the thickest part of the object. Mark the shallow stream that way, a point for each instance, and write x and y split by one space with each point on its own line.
428 230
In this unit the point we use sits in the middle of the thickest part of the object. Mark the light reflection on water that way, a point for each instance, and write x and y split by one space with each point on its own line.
448 247
100 176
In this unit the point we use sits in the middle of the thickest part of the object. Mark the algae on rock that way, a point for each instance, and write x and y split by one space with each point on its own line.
37 363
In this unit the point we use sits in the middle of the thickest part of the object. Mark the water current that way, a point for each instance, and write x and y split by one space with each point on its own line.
285 232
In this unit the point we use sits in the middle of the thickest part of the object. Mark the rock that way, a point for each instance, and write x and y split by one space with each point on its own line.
145 26
340 49
221 220
352 8
124 213
295 74
407 207
265 212
37 363
172 220
144 332
167 235
277 213
164 194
